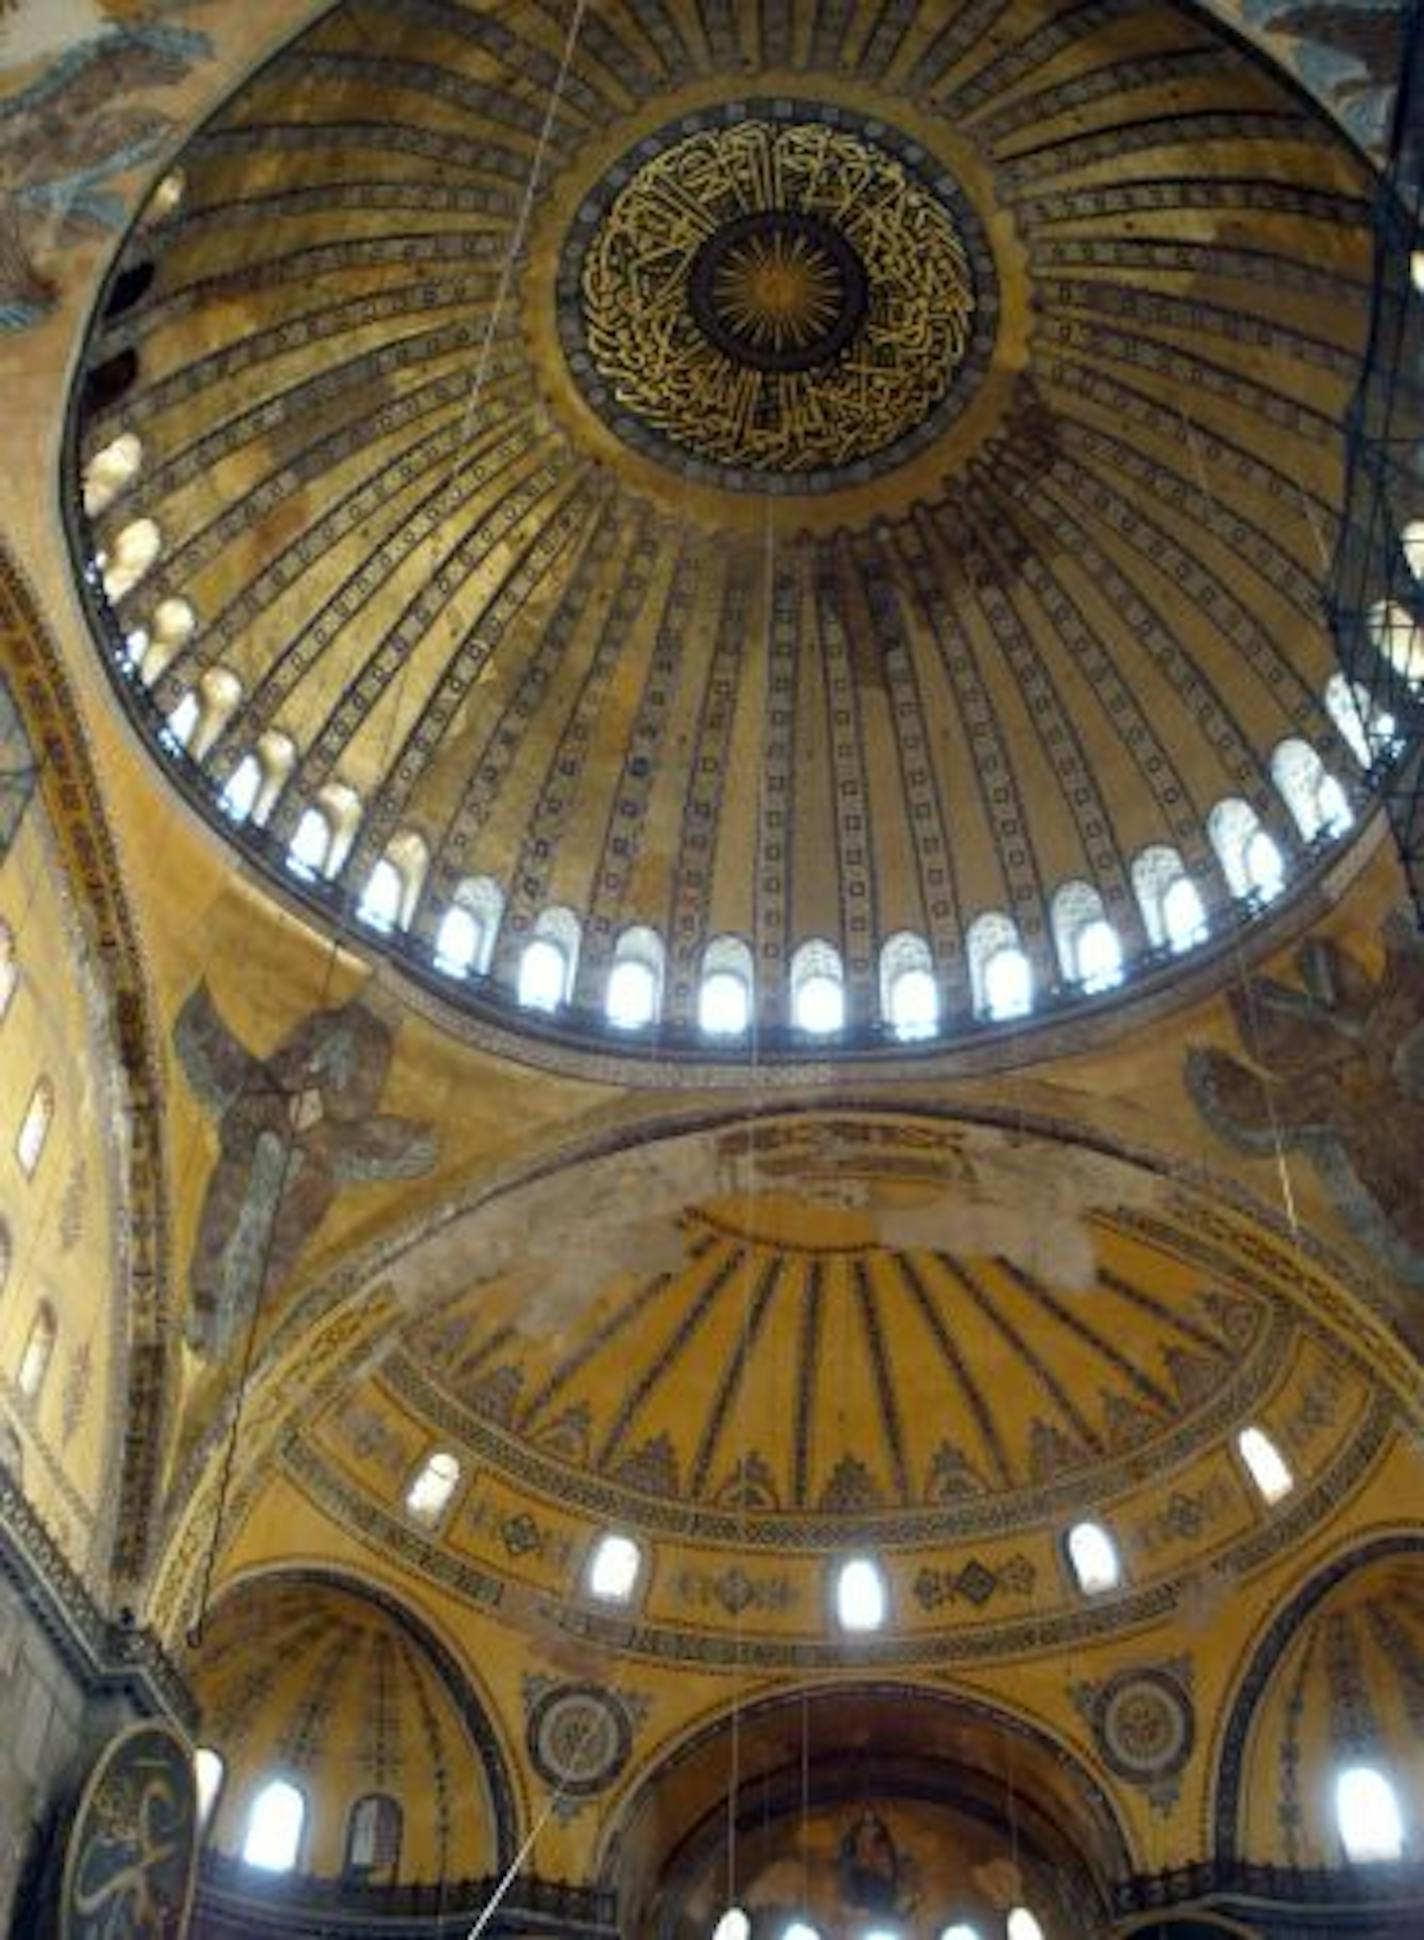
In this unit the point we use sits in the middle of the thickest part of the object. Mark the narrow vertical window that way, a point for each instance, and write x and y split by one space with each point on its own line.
435 1482
1093 1555
208 1777
274 1827
1368 1815
1265 1464
39 1351
34 1127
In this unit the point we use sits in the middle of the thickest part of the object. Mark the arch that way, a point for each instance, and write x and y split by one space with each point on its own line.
393 887
1230 1772
635 981
132 555
34 1127
464 942
549 960
1314 797
110 471
1249 858
817 987
38 1353
909 995
1172 909
726 988
373 1835
1000 978
1089 952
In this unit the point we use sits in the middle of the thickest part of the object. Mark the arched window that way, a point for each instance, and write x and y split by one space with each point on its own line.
241 790
1170 902
171 626
614 1566
39 1351
909 996
432 1486
394 885
861 1597
1398 638
1089 952
135 550
274 1827
549 960
999 973
817 988
724 998
961 1930
1367 730
219 695
1093 1556
1368 1815
1310 791
1250 860
9 967
309 854
208 1769
181 724
1023 1926
464 942
111 470
635 982
34 1127
1265 1464
733 1925
373 1835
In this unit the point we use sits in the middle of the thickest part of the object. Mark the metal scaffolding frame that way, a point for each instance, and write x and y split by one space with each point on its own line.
1376 588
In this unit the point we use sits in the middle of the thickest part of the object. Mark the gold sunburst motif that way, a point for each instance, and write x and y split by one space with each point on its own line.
775 297
779 290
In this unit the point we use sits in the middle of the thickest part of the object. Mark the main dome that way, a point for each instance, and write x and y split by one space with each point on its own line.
836 501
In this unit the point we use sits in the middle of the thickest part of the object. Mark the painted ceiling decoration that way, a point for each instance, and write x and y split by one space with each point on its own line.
789 607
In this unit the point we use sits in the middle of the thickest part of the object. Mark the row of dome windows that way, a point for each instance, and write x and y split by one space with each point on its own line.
860 1594
277 1820
1020 1924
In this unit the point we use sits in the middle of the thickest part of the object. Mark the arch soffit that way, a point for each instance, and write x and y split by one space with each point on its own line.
1279 1627
69 789
473 1703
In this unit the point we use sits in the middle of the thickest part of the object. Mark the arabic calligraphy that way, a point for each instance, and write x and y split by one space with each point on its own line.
130 1860
783 297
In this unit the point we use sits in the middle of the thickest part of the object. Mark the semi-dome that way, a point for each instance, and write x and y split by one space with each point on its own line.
838 509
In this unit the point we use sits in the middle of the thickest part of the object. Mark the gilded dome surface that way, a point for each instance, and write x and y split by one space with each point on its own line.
796 478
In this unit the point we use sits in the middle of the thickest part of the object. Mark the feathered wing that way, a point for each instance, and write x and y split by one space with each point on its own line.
217 1066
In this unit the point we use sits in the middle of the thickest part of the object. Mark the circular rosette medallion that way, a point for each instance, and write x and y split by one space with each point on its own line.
1145 1727
783 299
579 1738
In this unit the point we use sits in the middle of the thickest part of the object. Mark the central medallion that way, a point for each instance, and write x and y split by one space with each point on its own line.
775 297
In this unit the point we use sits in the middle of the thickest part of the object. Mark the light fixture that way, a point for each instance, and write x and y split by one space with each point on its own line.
860 1595
733 1925
1023 1926
613 1568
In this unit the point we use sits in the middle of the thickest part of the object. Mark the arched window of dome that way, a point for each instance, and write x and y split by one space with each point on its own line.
464 943
432 1486
862 1597
734 1924
309 853
277 756
1311 793
999 974
1089 952
817 988
724 997
549 960
961 1930
34 1127
241 790
1250 860
1367 1812
1367 730
182 721
1265 1464
373 1835
394 885
131 557
219 696
909 995
1092 1553
1022 1925
39 1352
170 627
208 1770
167 197
635 982
1398 638
111 470
1170 902
9 968
275 1824
1411 543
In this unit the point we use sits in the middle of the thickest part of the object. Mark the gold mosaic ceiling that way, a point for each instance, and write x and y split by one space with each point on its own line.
807 471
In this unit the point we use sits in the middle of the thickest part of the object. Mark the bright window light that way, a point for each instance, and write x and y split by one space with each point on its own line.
961 1930
914 1005
1008 983
183 719
1183 917
542 970
34 1128
1093 1554
880 1933
613 1568
1368 1815
1099 955
799 1930
240 791
1023 1926
457 942
1336 815
434 1484
381 899
860 1595
274 1827
208 1778
632 994
311 844
1416 270
1264 866
1269 1469
733 1925
819 1005
724 1006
